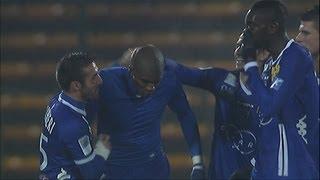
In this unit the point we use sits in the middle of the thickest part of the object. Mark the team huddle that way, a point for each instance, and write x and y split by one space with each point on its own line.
266 110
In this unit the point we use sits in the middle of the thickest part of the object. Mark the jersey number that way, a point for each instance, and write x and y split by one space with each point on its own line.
44 155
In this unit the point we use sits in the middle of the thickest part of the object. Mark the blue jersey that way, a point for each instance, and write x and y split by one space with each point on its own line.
65 142
288 111
233 141
133 121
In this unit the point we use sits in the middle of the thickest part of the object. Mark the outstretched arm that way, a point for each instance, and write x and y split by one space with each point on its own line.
218 81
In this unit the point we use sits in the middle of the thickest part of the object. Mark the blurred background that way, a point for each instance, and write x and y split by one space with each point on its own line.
35 34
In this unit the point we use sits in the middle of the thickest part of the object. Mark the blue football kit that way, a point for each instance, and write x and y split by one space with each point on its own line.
233 141
287 106
66 143
133 123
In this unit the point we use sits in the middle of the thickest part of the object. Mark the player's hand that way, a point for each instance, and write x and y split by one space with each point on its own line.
240 62
198 172
247 50
103 146
261 56
104 139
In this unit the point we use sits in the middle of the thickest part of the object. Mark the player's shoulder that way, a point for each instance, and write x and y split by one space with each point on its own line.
299 52
299 48
169 71
113 71
66 119
113 75
170 66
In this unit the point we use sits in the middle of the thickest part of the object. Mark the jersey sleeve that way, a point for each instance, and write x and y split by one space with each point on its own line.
292 71
77 141
181 107
218 81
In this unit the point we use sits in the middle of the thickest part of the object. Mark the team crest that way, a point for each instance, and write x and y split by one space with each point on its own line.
275 71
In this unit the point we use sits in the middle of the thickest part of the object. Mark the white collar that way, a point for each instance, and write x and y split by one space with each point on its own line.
279 57
71 106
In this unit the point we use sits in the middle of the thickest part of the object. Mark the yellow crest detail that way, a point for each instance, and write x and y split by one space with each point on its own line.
275 71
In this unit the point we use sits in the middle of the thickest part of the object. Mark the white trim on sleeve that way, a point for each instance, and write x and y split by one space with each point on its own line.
85 160
245 89
196 159
249 65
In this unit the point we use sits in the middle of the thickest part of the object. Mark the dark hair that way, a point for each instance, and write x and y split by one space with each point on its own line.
311 15
278 10
70 68
148 59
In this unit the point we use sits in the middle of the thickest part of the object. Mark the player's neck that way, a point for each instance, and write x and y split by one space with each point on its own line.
276 48
75 96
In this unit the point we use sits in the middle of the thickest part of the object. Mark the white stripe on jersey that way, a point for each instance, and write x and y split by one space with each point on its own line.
283 152
245 89
280 153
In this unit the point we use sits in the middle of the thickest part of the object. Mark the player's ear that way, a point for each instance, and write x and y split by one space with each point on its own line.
75 85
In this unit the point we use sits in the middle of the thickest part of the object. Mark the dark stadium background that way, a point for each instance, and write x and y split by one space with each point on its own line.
35 34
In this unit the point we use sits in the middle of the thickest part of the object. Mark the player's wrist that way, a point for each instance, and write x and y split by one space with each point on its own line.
198 171
196 160
102 150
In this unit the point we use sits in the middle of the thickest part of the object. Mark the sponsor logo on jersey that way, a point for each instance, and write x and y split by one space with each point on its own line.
245 142
277 83
63 175
302 128
242 140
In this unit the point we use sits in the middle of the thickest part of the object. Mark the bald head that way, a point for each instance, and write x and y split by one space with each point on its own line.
147 61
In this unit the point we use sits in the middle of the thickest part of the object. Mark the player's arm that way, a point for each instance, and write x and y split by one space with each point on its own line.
89 160
181 107
292 72
204 78
219 81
